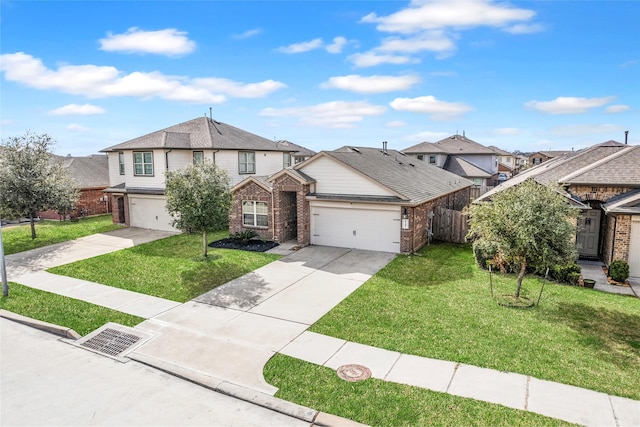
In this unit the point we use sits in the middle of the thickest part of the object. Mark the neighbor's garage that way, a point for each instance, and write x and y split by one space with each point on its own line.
355 225
634 247
148 211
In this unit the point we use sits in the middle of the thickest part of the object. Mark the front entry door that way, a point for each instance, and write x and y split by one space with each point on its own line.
121 218
588 233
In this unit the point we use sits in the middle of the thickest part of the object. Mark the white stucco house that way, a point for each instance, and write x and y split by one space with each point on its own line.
137 167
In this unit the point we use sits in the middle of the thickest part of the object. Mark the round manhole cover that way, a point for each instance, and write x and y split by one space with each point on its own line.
353 372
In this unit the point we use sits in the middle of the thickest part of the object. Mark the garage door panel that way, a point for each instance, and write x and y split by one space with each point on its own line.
370 229
149 213
634 248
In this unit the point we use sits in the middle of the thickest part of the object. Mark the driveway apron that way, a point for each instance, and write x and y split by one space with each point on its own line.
228 334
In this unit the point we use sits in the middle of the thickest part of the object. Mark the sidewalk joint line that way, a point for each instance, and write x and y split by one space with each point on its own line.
455 370
392 366
526 394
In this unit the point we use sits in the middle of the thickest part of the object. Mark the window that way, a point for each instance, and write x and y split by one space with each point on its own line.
421 157
286 162
143 163
198 157
478 182
121 162
247 162
537 160
432 159
254 214
298 160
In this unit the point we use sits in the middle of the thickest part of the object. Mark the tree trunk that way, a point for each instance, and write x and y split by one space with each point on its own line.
204 243
523 269
33 226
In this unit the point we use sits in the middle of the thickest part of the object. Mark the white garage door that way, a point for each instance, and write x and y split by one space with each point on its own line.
149 212
362 227
634 247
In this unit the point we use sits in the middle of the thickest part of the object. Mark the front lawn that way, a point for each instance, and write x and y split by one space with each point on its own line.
437 305
81 316
381 403
171 268
17 238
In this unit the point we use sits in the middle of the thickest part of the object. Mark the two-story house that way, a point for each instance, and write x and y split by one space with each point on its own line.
542 156
461 156
137 167
506 161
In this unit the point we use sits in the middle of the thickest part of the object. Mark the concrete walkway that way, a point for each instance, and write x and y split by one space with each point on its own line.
593 270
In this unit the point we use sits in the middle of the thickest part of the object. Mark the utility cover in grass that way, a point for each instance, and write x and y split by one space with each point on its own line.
253 245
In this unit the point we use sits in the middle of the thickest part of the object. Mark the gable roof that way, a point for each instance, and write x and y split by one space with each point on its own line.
424 148
416 182
621 168
625 203
88 172
564 167
198 134
460 144
465 169
552 154
299 150
500 151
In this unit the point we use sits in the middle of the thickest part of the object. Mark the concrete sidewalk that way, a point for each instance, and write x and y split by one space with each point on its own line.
593 270
565 402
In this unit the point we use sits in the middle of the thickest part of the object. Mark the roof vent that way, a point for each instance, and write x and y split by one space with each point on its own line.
355 149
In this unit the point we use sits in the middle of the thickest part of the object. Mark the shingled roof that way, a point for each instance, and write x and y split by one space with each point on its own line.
425 148
414 181
88 172
460 144
199 134
465 169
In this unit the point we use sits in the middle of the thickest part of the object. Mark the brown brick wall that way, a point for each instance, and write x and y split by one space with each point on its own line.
115 214
597 192
621 239
254 192
89 200
286 191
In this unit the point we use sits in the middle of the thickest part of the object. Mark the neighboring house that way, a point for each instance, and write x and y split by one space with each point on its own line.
506 161
354 197
605 179
300 155
542 156
137 167
460 155
91 175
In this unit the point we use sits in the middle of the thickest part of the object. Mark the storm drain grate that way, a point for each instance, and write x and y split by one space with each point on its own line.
111 342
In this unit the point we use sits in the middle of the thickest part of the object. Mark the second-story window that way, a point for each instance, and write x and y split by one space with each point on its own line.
421 157
286 162
432 159
247 162
121 163
143 163
198 157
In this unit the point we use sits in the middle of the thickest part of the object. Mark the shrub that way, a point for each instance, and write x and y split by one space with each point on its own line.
565 273
619 270
244 236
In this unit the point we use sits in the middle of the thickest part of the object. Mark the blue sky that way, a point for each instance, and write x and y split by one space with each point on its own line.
529 76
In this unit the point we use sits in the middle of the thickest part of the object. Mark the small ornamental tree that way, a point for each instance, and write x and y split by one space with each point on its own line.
30 181
527 225
199 199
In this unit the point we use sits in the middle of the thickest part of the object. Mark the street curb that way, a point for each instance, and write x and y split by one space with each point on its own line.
303 413
43 326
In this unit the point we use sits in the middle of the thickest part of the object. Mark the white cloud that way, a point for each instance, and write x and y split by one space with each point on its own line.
613 109
335 114
301 47
586 129
371 84
77 110
74 127
372 58
95 81
238 89
436 109
426 136
395 124
525 29
440 14
435 41
247 34
169 42
568 104
507 131
337 45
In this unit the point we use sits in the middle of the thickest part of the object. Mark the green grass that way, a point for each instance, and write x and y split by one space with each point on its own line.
17 238
172 268
438 305
380 403
81 316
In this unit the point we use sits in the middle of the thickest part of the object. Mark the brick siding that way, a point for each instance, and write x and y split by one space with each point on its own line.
90 200
256 193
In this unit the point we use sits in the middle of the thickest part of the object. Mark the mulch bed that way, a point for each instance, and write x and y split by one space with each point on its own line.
254 245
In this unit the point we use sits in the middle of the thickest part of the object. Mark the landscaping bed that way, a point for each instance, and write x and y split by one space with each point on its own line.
253 245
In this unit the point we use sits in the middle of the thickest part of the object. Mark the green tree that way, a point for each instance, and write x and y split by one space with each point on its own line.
527 225
199 199
30 180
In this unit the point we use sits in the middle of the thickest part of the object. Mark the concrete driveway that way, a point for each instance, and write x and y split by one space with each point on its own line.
229 333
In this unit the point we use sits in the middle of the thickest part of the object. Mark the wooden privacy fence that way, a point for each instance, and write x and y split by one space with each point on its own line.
450 226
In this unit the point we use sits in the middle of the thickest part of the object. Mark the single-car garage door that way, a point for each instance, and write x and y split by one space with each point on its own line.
634 247
149 212
359 226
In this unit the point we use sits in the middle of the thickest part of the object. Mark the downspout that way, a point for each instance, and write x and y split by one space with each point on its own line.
273 217
613 241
